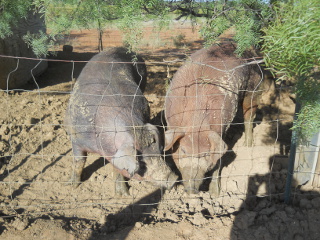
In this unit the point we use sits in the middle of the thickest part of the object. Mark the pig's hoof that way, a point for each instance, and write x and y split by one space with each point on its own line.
74 182
214 188
247 143
121 190
190 190
122 193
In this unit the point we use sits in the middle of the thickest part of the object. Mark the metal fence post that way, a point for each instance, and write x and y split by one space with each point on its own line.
293 146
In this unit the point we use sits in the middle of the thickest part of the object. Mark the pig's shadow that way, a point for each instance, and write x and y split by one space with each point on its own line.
90 169
119 225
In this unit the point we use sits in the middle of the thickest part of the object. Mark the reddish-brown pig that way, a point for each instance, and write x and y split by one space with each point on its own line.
202 101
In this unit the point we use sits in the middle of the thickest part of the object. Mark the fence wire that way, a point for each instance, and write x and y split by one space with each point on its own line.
36 156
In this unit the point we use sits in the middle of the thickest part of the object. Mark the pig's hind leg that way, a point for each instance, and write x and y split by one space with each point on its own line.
79 160
250 106
215 185
121 186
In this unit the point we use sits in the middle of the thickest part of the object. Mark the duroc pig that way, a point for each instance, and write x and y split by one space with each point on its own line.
108 114
201 102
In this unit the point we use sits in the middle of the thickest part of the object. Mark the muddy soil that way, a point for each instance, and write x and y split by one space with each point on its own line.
36 158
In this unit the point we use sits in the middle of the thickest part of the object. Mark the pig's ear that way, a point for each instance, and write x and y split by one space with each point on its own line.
218 146
171 136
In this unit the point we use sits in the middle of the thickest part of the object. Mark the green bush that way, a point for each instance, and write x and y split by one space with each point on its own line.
291 50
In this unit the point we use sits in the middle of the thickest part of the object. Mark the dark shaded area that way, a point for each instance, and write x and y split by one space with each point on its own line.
95 166
231 137
160 121
267 211
121 222
280 132
60 71
125 220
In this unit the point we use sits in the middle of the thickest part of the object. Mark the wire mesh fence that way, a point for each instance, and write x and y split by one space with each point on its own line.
37 158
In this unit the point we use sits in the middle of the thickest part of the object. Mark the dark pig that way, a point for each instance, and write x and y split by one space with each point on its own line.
201 102
108 114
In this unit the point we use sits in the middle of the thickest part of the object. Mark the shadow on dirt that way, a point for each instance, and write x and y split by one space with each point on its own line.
279 132
62 67
20 190
18 148
127 218
95 166
264 215
116 226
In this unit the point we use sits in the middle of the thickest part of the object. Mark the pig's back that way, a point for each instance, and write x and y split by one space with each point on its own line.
105 101
205 90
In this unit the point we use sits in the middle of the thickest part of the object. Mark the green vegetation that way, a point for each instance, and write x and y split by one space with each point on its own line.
291 50
10 13
246 16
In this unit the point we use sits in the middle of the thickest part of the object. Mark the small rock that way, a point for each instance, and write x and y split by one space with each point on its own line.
4 130
195 203
102 220
20 224
282 215
305 203
231 210
268 211
4 146
32 121
316 202
198 219
138 225
172 217
245 219
290 210
49 136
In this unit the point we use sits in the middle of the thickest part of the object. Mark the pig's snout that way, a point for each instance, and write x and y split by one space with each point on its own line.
159 173
166 181
171 180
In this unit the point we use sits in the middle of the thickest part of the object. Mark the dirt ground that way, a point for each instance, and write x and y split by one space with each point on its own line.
36 160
